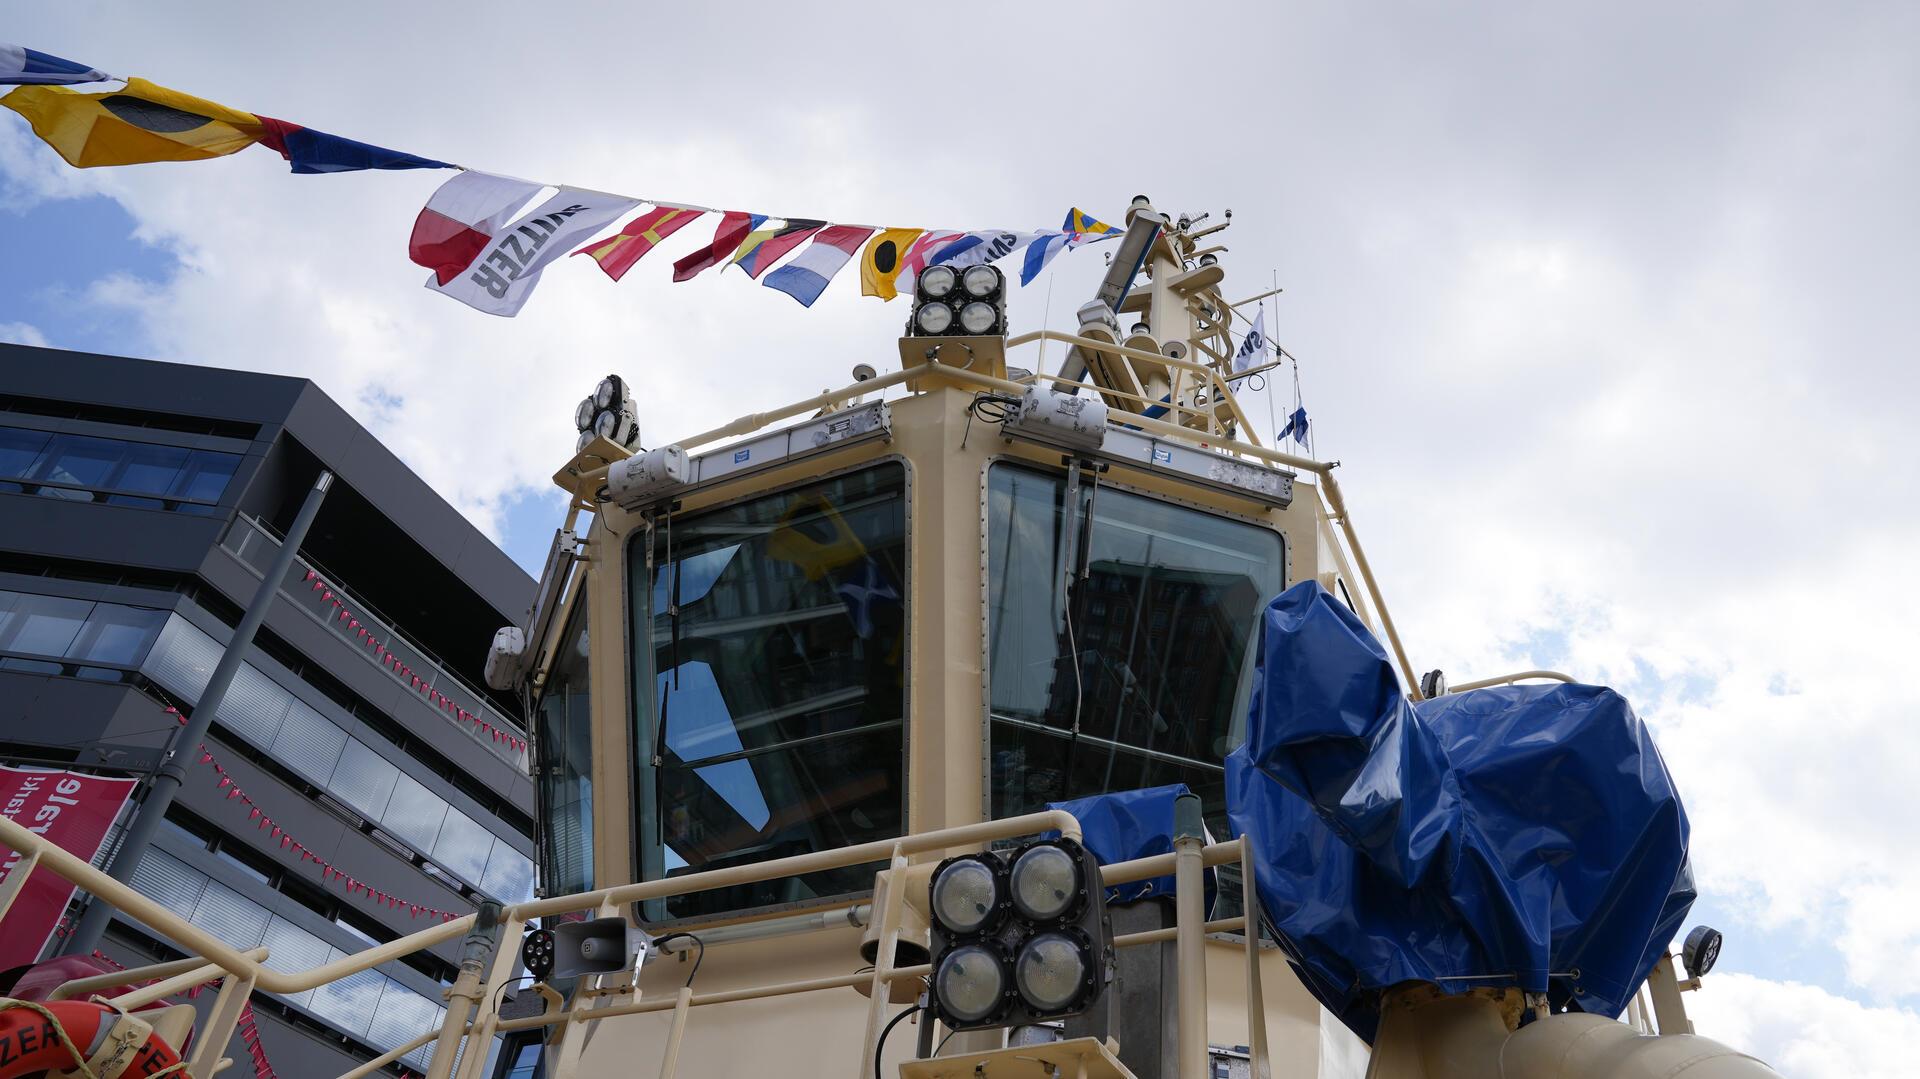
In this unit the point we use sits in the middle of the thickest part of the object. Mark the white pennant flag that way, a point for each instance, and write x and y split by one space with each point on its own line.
502 276
977 247
1253 349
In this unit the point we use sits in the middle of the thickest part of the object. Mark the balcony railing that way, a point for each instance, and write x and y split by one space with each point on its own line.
357 623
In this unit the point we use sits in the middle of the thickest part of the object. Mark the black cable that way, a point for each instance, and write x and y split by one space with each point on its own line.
944 1041
698 958
888 1029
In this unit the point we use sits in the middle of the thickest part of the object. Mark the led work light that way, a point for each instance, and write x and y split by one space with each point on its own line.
1018 937
970 302
608 413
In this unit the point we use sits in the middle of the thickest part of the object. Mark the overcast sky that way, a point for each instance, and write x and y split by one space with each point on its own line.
1611 318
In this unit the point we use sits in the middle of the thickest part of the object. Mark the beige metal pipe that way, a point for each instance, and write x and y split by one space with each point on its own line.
753 421
1337 503
85 987
1191 950
1508 679
1577 1046
754 872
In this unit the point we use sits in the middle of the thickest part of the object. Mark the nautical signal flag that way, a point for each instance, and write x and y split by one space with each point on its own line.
916 257
987 245
141 123
311 151
616 254
806 277
460 220
766 251
31 67
504 274
883 259
1079 220
733 228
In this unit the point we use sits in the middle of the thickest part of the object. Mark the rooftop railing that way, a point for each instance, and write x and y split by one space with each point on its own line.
312 590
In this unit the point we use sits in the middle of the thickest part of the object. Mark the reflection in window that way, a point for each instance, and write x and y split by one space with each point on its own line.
565 768
779 690
83 467
77 629
1162 618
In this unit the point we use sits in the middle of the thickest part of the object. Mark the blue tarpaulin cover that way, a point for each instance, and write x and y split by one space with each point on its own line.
1512 835
1125 825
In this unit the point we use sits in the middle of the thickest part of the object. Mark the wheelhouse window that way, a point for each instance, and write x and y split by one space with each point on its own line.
566 765
774 643
1131 614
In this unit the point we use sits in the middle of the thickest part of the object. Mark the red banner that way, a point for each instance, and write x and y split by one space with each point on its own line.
74 811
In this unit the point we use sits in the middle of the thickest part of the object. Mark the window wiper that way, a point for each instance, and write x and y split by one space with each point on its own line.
1080 534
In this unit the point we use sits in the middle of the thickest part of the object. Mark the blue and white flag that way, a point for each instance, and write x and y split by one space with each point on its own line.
30 67
1296 427
866 595
975 248
1253 349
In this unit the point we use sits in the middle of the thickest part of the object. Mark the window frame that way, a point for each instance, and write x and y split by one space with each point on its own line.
639 662
986 602
108 491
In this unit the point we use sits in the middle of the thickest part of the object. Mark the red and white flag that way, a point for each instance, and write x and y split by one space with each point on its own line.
461 218
503 275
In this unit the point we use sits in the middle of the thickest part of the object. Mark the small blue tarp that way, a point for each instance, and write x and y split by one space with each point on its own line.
1523 835
1125 825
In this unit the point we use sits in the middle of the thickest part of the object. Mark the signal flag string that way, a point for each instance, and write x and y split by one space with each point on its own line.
328 871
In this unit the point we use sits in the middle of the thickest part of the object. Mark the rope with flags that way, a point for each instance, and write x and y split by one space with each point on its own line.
329 873
482 250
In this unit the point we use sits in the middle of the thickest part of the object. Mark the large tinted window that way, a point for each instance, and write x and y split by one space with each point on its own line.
566 765
777 692
77 629
1137 621
87 468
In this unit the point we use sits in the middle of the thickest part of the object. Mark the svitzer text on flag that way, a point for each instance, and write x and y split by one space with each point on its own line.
727 236
806 277
987 245
1252 350
504 275
461 218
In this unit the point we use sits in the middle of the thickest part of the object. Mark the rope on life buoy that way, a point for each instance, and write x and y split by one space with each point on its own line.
37 1037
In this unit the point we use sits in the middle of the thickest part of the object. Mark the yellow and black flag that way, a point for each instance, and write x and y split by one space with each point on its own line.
141 123
881 263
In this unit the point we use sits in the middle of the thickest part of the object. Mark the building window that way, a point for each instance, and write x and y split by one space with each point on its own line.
1149 648
566 765
77 629
777 698
90 469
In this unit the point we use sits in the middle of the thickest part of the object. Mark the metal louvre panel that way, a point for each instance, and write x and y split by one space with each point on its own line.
232 917
182 659
350 1002
254 706
402 1016
291 949
509 875
169 882
414 813
363 779
308 744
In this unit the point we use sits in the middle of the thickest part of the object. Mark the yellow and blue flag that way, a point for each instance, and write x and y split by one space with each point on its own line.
1080 221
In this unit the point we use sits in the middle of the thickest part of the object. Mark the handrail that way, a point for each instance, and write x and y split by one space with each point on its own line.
243 971
1508 679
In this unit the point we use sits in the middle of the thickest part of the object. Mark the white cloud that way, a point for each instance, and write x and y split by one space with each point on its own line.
20 333
1609 314
1804 1031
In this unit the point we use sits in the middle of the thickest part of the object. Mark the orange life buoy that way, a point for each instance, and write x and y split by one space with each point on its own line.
30 1044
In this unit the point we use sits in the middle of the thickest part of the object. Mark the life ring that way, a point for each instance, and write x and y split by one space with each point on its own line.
113 1043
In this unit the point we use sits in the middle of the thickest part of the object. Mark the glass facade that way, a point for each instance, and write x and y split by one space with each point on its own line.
370 1005
359 775
566 765
773 637
118 471
1149 648
82 632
